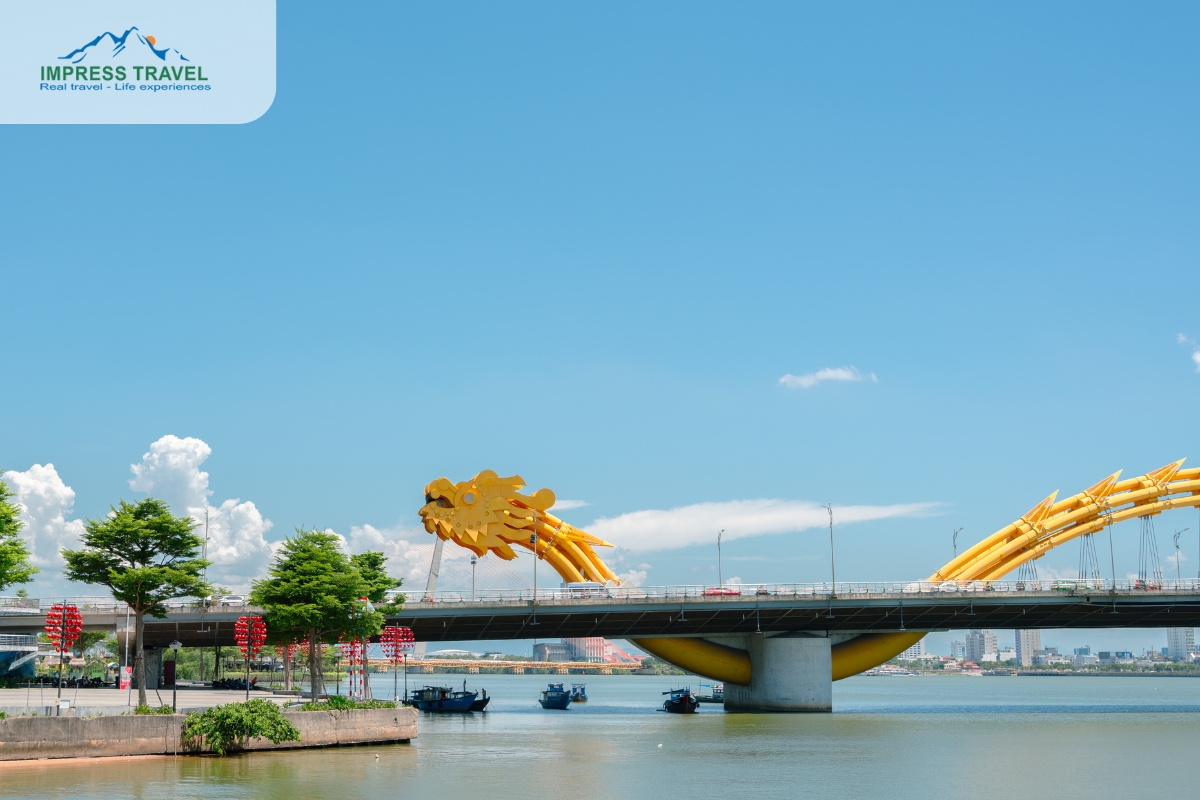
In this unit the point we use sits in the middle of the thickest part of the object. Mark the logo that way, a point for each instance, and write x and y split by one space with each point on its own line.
151 62
110 61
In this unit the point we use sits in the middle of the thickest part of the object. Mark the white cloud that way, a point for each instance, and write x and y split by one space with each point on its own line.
645 531
1190 342
567 505
811 379
46 503
237 543
171 472
409 551
634 577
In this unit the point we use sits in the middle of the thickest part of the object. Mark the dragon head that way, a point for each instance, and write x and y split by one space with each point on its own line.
489 514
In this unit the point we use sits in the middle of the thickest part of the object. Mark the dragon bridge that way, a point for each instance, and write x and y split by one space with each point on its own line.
489 514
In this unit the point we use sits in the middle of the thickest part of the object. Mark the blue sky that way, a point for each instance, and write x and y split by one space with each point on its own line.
583 244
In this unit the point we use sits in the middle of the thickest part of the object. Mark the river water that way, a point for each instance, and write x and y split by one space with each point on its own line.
895 737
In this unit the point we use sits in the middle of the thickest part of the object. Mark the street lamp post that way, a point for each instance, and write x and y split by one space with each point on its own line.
832 559
720 577
175 645
473 560
1178 567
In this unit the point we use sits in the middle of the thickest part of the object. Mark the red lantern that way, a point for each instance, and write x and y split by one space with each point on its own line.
64 623
395 641
250 633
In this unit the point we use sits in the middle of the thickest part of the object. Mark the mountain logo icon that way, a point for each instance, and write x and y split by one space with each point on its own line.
130 47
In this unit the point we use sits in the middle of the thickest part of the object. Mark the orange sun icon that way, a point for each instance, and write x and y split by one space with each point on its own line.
150 39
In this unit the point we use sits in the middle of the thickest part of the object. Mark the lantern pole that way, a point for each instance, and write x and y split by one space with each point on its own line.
62 642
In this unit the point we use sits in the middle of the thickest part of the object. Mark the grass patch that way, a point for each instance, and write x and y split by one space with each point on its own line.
338 703
140 710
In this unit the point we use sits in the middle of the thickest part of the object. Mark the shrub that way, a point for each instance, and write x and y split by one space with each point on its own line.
228 727
338 703
150 710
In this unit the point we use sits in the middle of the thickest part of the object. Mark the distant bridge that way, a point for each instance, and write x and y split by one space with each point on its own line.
706 611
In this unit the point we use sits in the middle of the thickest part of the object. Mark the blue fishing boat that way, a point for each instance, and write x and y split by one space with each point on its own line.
578 692
681 701
556 697
441 699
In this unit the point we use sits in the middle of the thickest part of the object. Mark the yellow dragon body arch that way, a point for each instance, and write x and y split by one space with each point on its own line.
489 514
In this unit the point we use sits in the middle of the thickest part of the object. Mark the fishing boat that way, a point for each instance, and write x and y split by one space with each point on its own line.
556 697
442 699
480 702
578 692
716 693
681 701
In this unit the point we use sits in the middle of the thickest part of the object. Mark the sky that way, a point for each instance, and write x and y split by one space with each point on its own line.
692 266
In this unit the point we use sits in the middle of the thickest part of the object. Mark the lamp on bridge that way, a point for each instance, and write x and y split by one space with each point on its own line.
473 560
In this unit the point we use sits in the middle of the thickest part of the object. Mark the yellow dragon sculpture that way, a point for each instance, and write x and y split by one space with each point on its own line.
489 514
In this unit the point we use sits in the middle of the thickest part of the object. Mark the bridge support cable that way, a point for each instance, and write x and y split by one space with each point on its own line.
1149 567
1089 562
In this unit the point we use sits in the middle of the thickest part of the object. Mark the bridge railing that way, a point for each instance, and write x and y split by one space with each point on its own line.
682 593
816 591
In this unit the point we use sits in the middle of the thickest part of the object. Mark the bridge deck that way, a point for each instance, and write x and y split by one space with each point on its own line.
649 614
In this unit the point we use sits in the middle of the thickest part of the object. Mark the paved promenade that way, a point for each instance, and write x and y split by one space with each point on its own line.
114 701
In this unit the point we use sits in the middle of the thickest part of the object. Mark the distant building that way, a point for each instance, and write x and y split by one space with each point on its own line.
981 646
958 649
1007 654
1028 642
586 649
1180 643
1085 659
1086 650
553 651
913 653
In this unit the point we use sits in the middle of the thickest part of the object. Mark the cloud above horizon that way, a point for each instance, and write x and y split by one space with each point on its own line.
811 379
237 543
1190 342
652 530
45 504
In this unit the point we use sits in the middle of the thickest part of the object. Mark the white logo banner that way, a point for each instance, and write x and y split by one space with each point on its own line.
136 61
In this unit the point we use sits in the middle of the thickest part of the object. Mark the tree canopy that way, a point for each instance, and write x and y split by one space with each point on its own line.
313 591
371 566
146 556
14 555
143 553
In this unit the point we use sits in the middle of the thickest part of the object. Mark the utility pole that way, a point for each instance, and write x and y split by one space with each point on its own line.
956 542
720 578
473 560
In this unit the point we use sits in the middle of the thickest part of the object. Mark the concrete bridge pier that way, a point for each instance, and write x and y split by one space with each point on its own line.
791 672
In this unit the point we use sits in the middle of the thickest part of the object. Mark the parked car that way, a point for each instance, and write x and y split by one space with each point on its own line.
722 591
232 600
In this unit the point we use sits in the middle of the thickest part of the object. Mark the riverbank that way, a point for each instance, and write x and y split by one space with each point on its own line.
58 737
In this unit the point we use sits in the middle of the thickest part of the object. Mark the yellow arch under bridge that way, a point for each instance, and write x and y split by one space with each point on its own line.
489 514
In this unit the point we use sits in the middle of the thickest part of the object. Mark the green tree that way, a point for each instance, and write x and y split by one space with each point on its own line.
146 556
371 565
312 591
14 555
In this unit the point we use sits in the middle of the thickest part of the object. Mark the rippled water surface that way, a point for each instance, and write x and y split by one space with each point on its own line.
888 737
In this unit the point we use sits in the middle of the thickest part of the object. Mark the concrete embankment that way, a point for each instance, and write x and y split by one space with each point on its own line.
23 738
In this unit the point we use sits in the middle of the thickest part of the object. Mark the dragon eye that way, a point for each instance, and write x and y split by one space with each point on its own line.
469 497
